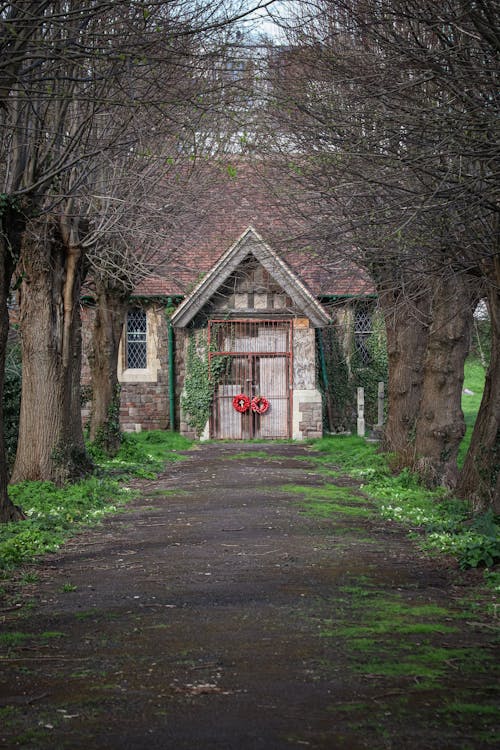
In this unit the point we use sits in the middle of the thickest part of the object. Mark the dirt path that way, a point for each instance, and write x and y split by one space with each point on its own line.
219 612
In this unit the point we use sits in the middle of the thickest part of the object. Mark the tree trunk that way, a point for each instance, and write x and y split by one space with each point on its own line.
440 423
406 321
11 228
51 445
479 480
103 359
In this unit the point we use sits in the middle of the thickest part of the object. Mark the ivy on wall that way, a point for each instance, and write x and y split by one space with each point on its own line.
338 390
346 371
198 391
368 375
201 380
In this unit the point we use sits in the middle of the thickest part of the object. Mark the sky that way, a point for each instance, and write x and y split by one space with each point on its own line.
262 22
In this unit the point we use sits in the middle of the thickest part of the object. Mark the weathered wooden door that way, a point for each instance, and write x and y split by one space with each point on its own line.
251 358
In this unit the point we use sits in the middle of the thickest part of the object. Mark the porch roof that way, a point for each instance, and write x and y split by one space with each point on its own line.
250 242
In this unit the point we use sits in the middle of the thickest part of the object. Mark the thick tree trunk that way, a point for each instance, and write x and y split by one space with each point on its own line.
480 477
406 319
51 445
106 334
11 227
440 424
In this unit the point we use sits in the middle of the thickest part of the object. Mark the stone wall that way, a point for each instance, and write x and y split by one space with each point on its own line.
144 405
307 414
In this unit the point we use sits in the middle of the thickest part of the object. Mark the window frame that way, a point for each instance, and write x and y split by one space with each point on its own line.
362 332
136 349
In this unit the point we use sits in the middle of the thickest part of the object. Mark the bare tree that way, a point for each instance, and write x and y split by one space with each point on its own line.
391 110
153 194
72 77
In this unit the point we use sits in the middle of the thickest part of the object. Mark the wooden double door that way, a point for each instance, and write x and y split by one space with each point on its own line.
259 366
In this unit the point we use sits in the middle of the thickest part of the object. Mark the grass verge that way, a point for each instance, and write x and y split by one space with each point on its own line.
471 399
56 513
440 523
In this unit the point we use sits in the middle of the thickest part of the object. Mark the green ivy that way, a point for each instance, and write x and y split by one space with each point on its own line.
109 436
339 390
8 203
200 382
345 376
198 390
369 375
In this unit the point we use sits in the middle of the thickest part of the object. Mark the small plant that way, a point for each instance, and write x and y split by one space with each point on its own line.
27 578
67 587
14 638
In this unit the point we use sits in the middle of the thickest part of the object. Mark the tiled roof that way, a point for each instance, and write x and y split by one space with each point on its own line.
236 199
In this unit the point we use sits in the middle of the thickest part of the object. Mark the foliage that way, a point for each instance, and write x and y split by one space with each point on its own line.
55 513
109 435
199 385
439 523
198 392
339 389
8 203
142 454
368 375
346 374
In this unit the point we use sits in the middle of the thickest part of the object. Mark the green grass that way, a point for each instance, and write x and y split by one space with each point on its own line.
386 635
330 499
55 513
473 381
17 638
143 454
440 524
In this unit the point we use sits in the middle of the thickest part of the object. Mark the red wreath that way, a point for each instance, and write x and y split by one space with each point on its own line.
259 404
241 403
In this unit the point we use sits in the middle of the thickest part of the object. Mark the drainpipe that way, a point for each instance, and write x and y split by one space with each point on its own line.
324 374
171 368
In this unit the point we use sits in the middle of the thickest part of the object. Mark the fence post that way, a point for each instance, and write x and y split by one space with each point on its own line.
361 412
380 405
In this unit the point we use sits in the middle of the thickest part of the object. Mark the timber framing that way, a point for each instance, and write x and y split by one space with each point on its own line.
250 243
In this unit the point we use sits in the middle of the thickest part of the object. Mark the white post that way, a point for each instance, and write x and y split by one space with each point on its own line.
361 412
380 411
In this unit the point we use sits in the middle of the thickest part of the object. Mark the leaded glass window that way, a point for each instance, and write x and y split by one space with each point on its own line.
136 341
362 331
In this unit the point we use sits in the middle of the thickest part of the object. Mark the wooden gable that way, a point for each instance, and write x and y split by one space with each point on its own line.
250 280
